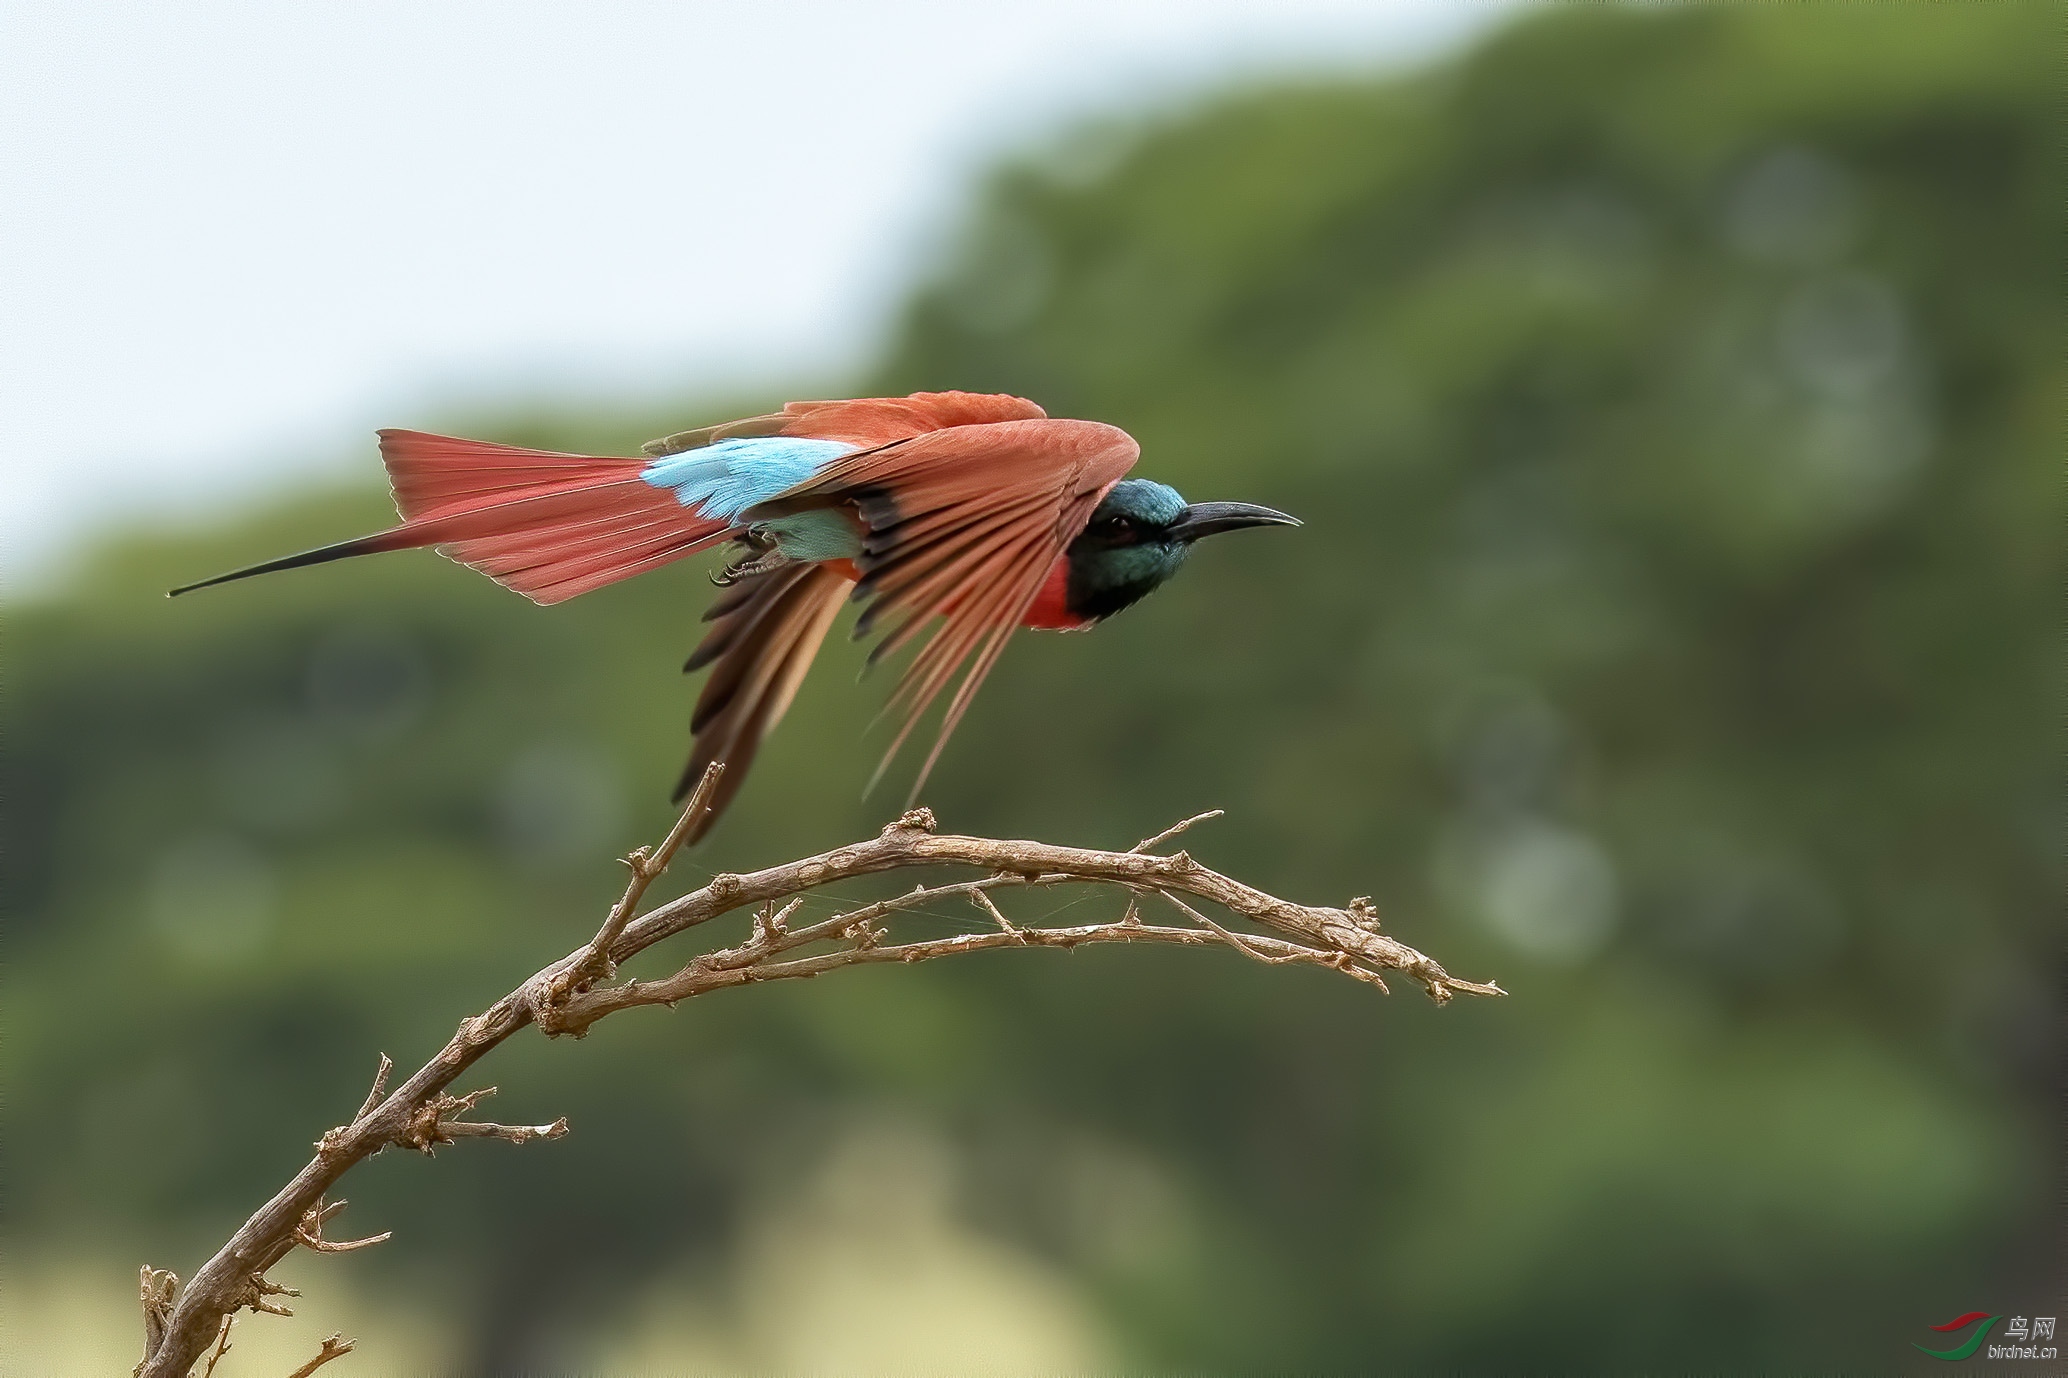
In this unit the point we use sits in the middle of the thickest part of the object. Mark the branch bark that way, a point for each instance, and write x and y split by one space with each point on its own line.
568 996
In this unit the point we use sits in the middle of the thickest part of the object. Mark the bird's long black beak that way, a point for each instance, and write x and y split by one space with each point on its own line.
1206 518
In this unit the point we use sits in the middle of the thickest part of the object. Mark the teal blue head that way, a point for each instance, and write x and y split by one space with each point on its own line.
1139 536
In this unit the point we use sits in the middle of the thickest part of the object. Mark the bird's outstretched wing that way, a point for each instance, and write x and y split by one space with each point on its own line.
766 631
962 523
767 628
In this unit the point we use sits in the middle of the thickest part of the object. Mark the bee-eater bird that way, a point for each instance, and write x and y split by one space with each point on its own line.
979 512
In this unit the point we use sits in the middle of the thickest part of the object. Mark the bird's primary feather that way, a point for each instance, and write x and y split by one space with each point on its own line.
768 630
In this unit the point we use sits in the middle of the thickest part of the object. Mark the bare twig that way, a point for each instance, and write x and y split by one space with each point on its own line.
566 998
983 902
773 924
316 1243
380 1084
438 1121
1150 844
259 1293
514 1133
689 982
1250 945
222 1346
336 1347
156 1288
646 866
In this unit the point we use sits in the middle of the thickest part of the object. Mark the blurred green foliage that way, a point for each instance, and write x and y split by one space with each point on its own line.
1673 400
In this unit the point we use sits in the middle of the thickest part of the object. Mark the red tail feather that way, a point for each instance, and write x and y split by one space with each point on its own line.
548 525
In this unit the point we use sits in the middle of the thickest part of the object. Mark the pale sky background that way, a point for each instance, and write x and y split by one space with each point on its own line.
236 237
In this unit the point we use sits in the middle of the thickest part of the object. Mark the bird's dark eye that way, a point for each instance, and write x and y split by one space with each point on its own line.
1117 526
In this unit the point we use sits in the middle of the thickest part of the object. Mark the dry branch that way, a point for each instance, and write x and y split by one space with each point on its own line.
335 1347
567 997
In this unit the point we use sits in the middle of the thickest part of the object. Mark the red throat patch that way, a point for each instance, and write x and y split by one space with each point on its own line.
1050 610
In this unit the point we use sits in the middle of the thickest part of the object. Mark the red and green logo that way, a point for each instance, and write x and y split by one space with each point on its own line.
1967 1347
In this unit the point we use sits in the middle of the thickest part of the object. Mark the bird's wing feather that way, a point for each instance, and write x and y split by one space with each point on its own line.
962 524
767 630
861 421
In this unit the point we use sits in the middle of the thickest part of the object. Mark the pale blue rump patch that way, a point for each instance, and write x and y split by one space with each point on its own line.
723 480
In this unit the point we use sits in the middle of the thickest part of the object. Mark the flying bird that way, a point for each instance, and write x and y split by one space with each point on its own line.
971 514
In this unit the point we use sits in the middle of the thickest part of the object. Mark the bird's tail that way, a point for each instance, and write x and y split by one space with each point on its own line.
548 525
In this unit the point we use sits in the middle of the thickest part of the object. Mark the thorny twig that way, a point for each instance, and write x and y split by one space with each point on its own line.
567 997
